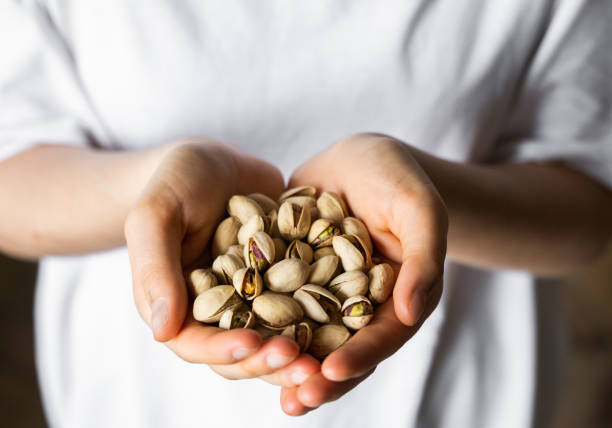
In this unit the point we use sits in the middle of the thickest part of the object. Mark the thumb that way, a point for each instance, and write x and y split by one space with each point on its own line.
153 233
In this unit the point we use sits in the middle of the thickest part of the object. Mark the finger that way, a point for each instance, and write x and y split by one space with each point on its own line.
318 390
153 235
276 353
290 404
197 343
295 373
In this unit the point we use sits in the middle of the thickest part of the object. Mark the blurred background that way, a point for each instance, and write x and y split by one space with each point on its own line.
586 304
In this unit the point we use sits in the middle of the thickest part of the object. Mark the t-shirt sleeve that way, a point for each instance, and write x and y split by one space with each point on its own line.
41 100
563 111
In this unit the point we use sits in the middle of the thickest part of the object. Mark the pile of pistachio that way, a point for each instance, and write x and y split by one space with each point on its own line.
300 267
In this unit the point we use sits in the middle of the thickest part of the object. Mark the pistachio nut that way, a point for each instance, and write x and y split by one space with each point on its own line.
225 235
259 251
300 333
209 306
265 202
357 311
322 232
287 275
236 250
256 223
332 207
322 252
318 303
200 280
299 250
243 208
264 331
273 228
303 201
381 279
352 252
298 191
280 248
224 267
293 221
349 284
327 339
354 226
277 311
323 270
238 317
248 283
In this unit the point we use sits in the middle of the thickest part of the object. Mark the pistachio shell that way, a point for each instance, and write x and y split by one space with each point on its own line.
323 270
349 284
332 207
299 250
236 250
209 306
239 317
273 228
264 331
357 311
352 253
381 279
225 235
321 233
317 302
303 201
300 333
224 267
354 226
277 311
322 252
248 283
287 275
327 339
243 208
256 223
293 221
298 191
200 280
280 248
259 251
265 202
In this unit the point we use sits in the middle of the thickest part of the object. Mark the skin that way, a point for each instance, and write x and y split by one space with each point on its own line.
164 203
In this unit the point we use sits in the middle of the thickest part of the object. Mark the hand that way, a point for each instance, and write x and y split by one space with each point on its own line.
169 227
385 187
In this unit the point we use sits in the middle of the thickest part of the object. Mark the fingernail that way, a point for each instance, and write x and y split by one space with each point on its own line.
159 315
297 378
275 361
242 353
417 305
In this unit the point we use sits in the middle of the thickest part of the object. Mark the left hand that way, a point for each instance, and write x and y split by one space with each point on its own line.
386 188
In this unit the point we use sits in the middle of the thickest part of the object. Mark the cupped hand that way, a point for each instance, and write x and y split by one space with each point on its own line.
386 188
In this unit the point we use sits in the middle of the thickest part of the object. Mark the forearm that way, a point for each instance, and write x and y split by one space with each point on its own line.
544 218
65 200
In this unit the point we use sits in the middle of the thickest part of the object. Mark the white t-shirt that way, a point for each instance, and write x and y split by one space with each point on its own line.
466 80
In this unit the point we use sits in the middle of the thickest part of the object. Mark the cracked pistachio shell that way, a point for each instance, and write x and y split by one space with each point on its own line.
238 317
293 221
265 332
200 280
248 283
243 208
209 306
225 236
327 339
273 228
352 253
224 267
287 275
349 284
259 251
332 207
300 333
322 252
381 279
318 303
277 311
303 201
323 270
236 250
265 202
357 311
256 223
299 191
354 226
321 233
299 250
280 248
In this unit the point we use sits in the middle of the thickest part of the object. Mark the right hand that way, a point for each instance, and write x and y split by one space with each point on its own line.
169 228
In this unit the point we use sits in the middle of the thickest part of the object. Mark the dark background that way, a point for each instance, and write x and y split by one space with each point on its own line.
586 395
